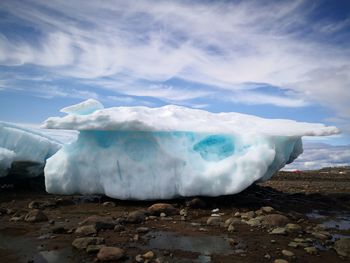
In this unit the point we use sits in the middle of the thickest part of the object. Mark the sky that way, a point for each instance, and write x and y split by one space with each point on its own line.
273 59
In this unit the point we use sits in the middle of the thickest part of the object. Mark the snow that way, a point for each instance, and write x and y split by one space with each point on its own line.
25 145
83 108
158 153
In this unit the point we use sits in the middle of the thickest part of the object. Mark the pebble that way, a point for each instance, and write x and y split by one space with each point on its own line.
84 242
279 260
287 253
214 221
267 209
278 231
139 258
148 255
109 204
93 249
275 220
342 246
231 228
311 250
86 230
110 253
157 209
142 229
293 228
36 215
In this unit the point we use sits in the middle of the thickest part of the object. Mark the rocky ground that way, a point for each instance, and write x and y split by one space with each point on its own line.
296 217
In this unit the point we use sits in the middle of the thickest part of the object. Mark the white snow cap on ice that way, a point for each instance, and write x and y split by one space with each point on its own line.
178 118
83 108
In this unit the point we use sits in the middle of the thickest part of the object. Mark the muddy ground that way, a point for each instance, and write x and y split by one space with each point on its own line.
297 217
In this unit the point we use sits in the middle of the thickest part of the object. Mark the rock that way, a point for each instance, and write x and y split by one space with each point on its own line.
64 201
16 218
342 246
232 242
232 221
139 258
275 220
196 203
110 253
119 228
109 204
293 244
84 242
216 210
253 222
248 215
41 205
278 231
35 205
311 250
104 225
3 211
322 235
86 230
36 215
99 222
279 260
137 216
231 228
160 260
214 221
142 229
148 255
93 249
287 253
267 209
293 228
183 212
157 209
59 230
259 212
162 215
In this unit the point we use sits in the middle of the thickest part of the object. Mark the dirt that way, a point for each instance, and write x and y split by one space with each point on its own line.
309 199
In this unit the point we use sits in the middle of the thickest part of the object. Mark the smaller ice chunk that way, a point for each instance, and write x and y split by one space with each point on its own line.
6 159
18 144
84 108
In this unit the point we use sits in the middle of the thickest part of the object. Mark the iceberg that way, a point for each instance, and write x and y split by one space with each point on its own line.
18 144
171 151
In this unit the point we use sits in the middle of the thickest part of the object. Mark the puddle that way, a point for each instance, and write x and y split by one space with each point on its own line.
26 249
331 219
204 245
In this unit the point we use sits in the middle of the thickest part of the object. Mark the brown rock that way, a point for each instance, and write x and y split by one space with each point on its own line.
157 209
93 249
99 222
36 215
86 230
279 260
214 221
342 246
148 255
196 203
110 253
84 242
137 216
275 220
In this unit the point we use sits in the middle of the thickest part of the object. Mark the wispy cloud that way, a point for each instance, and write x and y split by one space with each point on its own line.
218 44
318 155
